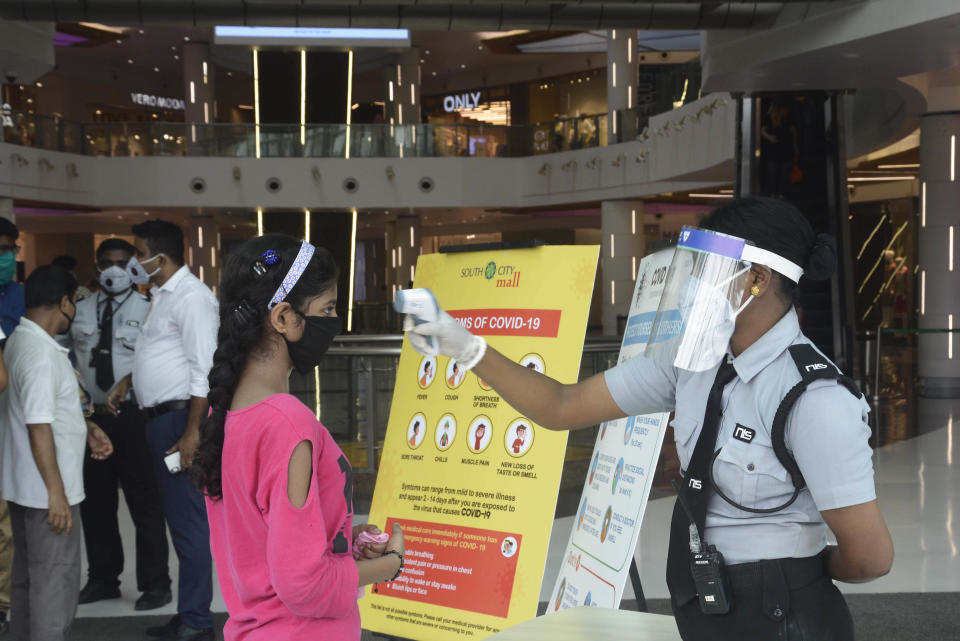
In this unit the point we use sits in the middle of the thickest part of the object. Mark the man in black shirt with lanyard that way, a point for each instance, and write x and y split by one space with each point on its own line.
103 337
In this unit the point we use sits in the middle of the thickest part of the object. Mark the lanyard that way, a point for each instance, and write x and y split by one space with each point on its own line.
108 300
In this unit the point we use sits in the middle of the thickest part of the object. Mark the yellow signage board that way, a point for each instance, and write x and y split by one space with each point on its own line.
472 482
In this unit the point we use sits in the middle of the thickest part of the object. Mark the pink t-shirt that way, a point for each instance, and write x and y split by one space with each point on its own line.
285 572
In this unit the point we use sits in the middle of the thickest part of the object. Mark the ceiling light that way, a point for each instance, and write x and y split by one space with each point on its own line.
173 48
98 112
462 66
433 73
129 61
154 115
422 61
119 41
355 106
156 69
909 165
176 57
101 27
865 179
141 31
186 38
479 47
427 52
708 195
40 84
230 73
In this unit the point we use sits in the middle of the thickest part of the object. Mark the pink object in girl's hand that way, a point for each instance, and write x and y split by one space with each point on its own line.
365 539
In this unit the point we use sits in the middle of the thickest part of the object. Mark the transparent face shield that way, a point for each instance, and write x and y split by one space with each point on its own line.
702 297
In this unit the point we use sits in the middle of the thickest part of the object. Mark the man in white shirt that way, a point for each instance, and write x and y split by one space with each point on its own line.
172 360
42 443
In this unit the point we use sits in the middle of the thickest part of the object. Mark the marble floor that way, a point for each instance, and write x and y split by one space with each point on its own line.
918 485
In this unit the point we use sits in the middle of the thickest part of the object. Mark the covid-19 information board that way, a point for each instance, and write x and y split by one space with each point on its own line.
473 482
597 559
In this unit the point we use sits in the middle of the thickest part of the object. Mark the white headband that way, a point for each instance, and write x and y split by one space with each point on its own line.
293 274
777 263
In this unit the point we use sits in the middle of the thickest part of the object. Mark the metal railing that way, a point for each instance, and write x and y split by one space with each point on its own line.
890 380
139 139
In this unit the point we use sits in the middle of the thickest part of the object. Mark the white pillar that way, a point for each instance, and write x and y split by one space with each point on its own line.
402 89
939 232
402 241
204 255
6 209
622 246
408 249
199 95
621 82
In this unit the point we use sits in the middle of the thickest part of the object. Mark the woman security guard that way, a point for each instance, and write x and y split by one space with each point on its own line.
774 448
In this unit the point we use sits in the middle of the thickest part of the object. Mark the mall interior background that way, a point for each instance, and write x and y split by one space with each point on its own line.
438 135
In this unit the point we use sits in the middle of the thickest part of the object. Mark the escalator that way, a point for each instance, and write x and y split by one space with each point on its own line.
791 147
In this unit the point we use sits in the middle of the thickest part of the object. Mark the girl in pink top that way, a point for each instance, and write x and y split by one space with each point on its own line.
279 490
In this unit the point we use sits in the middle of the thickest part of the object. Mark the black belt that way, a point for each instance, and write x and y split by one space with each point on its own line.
797 573
165 408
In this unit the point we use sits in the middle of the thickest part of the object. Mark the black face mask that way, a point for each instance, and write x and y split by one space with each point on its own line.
69 319
318 335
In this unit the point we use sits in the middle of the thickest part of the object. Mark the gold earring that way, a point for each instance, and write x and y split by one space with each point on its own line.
755 290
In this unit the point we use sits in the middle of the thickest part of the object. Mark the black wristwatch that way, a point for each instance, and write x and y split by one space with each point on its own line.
399 556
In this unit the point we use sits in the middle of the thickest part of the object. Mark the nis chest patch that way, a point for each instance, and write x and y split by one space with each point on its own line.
132 323
744 433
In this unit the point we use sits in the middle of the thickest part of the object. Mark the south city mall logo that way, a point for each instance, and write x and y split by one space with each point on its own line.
506 275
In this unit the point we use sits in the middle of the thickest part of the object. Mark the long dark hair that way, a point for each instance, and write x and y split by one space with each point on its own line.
777 226
249 281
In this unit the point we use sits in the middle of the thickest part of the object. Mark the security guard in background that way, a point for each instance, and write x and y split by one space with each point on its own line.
103 336
772 438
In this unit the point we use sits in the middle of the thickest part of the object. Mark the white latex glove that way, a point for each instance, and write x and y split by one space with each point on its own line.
452 340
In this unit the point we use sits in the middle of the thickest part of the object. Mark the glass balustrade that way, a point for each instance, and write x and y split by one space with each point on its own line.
141 139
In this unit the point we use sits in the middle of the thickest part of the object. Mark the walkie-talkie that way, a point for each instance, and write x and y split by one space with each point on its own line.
707 566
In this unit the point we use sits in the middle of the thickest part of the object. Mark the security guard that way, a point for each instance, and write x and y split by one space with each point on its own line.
103 337
772 437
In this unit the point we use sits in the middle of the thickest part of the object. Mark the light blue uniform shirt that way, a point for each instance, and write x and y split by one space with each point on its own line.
826 432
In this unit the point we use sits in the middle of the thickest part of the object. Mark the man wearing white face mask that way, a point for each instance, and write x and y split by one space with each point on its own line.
103 337
171 364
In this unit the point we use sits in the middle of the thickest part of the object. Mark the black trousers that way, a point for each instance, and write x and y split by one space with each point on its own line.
775 600
131 468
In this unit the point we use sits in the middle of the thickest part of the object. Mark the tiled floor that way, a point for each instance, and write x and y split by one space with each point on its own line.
918 483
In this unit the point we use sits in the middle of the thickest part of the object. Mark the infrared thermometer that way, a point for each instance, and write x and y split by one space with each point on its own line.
421 305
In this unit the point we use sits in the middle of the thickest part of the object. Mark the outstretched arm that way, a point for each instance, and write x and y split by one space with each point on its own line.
544 400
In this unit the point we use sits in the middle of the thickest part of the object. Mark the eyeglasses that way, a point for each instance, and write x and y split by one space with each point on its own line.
8 249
